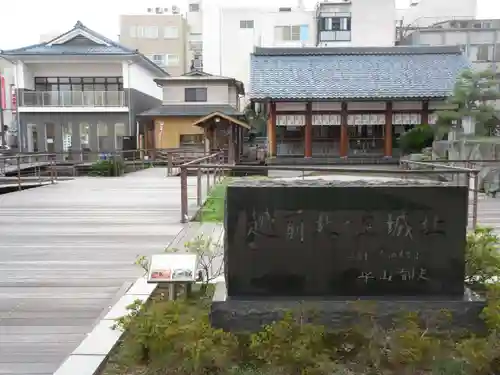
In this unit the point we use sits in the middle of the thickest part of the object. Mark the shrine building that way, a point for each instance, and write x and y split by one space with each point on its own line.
329 103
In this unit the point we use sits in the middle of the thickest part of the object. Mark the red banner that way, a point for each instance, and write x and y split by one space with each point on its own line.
3 96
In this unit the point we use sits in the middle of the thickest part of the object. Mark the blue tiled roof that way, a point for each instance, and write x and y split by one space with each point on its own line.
42 49
355 73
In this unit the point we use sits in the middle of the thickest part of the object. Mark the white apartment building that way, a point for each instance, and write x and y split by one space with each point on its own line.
231 34
355 23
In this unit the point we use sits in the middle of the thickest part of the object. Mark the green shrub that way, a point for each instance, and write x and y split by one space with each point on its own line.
176 338
482 258
107 168
416 139
176 335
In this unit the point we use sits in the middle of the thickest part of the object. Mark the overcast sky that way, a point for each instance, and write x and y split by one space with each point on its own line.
22 21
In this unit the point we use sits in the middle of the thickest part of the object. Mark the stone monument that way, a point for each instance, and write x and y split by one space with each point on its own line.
328 243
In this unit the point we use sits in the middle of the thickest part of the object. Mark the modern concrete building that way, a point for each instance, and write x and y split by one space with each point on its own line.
80 92
161 34
234 33
479 39
194 19
424 13
357 23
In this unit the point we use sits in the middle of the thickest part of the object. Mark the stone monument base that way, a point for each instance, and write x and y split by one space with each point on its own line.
240 315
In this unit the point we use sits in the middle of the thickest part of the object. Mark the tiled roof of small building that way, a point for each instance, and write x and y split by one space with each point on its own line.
355 73
181 110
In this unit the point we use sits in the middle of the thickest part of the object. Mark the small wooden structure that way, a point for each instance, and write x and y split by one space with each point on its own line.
223 132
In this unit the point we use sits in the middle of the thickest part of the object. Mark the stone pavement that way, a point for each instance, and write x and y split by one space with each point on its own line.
66 255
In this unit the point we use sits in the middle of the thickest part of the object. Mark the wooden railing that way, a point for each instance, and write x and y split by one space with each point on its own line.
24 168
216 173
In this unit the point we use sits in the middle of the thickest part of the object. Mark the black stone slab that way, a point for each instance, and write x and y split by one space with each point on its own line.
237 315
333 238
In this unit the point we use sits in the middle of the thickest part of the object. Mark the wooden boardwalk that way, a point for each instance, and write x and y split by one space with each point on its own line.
67 252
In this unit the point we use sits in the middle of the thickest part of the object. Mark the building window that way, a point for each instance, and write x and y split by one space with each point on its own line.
171 32
194 7
133 31
497 52
149 32
172 60
246 24
335 24
288 33
190 139
78 83
198 94
482 52
164 60
158 59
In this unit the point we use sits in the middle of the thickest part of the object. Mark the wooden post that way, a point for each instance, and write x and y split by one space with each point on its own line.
308 131
388 131
52 168
238 142
184 195
271 131
425 113
170 163
230 151
344 136
198 188
18 161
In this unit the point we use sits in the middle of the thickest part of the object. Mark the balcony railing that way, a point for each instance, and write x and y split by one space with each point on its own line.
73 99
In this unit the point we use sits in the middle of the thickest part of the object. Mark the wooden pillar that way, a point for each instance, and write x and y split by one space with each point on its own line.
388 131
230 151
237 142
344 136
425 113
308 131
271 130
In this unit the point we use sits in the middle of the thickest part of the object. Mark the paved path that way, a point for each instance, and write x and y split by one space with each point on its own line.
67 252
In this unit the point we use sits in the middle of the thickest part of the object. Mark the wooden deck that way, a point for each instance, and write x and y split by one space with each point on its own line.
67 252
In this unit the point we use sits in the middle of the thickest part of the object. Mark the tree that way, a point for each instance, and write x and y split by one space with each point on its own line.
257 119
473 95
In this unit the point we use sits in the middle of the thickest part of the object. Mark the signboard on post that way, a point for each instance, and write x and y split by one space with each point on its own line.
173 268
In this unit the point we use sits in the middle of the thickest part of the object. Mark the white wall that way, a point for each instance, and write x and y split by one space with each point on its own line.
372 24
136 77
75 69
23 78
217 93
428 12
211 37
